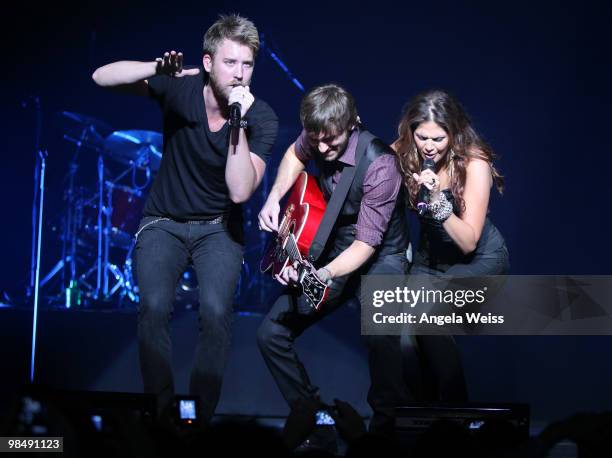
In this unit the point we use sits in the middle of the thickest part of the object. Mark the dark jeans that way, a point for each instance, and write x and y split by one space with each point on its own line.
164 248
283 324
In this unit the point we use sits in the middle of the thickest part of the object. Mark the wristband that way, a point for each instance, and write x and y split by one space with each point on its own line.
441 209
243 123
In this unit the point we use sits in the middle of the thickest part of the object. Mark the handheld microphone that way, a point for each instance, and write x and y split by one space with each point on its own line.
423 197
235 109
234 121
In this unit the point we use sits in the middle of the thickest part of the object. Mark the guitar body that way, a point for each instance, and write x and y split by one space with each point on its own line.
301 217
297 228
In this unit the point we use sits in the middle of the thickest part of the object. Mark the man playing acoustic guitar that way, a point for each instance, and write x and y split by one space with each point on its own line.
367 233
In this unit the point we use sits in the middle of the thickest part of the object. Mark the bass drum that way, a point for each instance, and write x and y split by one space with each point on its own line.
125 214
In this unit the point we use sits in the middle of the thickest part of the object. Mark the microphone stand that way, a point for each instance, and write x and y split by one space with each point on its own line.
41 156
37 168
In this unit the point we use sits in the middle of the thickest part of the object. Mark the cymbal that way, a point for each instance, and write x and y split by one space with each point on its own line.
140 147
85 128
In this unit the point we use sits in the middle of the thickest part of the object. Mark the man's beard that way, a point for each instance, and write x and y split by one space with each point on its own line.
221 93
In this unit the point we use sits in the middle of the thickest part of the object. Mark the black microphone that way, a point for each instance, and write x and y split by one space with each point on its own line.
423 197
234 122
235 109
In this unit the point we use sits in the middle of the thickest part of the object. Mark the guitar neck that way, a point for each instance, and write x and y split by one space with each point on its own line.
292 249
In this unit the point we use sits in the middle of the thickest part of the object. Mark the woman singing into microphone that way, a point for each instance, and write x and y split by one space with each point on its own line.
456 237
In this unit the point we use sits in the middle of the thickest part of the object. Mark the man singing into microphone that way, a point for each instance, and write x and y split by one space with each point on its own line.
193 211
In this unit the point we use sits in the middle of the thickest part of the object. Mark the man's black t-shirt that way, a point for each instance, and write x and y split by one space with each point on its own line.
190 184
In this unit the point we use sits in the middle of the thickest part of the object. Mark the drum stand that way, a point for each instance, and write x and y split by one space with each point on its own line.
70 225
104 268
110 278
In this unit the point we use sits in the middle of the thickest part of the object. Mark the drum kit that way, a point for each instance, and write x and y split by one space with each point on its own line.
101 211
101 215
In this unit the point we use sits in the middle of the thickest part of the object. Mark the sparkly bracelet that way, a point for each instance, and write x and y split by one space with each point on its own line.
441 209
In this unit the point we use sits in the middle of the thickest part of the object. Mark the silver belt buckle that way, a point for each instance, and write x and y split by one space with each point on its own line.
217 220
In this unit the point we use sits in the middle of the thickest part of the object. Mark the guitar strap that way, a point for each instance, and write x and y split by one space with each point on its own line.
338 197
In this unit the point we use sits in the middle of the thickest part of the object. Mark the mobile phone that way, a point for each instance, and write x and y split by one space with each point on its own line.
187 410
98 422
475 424
324 418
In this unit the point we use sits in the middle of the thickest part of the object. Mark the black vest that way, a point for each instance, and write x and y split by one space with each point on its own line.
395 239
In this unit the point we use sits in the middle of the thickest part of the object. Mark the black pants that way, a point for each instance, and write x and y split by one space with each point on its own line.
284 323
164 248
432 364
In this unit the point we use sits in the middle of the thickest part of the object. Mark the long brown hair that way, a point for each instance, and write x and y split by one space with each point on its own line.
464 143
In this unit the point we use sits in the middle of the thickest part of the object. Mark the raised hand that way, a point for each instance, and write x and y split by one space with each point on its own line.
242 95
300 422
172 64
430 180
349 423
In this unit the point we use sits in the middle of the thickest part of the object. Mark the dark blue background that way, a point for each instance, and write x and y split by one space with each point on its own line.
533 76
